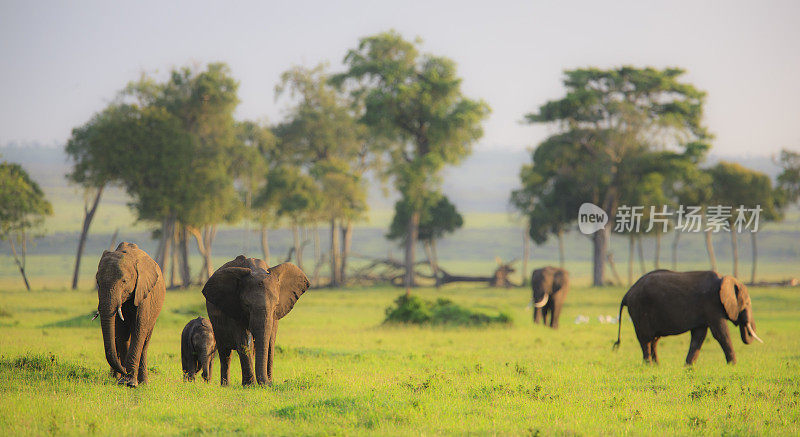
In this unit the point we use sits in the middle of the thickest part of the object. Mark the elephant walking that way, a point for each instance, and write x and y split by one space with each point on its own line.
130 292
549 286
664 302
245 299
198 348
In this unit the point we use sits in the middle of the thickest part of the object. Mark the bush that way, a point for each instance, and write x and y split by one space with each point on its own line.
417 311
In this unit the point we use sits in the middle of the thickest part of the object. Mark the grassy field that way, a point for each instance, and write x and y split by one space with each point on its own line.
338 370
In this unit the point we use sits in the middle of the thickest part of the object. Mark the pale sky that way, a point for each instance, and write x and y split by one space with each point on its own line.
64 61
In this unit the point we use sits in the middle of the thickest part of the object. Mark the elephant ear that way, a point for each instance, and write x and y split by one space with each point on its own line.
222 290
292 283
728 296
147 274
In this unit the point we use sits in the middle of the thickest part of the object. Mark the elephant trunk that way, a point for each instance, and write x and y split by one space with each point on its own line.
261 328
747 327
108 325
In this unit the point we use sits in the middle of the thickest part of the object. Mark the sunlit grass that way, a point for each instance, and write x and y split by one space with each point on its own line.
339 370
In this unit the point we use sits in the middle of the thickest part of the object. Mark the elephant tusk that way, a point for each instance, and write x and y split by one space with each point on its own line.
543 302
753 333
119 311
96 313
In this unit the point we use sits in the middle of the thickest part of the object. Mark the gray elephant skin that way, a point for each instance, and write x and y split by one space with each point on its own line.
549 286
130 292
247 298
664 302
198 349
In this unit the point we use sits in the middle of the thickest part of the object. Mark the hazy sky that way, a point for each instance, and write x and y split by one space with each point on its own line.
63 61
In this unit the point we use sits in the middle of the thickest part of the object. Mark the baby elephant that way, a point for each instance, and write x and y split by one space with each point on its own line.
197 348
664 303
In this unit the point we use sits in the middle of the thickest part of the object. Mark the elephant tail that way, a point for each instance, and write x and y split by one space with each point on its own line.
619 324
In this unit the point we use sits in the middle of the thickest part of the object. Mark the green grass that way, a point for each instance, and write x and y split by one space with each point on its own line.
339 370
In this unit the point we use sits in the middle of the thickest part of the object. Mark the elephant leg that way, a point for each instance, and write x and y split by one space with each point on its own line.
246 363
646 351
720 333
143 372
224 365
545 312
204 358
210 366
122 339
698 336
537 315
653 354
555 315
138 338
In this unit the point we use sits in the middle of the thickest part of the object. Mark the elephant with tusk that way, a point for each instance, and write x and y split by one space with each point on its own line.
664 303
130 293
549 288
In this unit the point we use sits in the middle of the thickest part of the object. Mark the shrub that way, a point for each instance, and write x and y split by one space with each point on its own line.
417 311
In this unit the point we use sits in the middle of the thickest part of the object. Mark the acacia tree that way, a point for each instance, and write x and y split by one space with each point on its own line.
259 155
191 185
322 130
734 187
23 207
99 151
414 101
438 218
616 120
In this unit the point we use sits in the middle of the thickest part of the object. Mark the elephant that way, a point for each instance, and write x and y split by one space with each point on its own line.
664 302
198 349
549 286
130 292
245 300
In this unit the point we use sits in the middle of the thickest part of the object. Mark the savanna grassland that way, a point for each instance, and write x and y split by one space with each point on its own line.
338 370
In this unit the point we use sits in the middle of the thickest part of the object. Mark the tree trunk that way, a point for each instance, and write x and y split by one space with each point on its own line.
675 250
735 253
209 234
201 248
113 243
296 235
526 253
712 258
347 242
20 261
656 263
265 244
411 242
600 242
162 253
174 244
426 245
642 265
436 263
88 216
561 248
631 245
334 282
183 246
755 257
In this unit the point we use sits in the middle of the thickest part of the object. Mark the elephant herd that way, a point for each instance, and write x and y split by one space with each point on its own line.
245 299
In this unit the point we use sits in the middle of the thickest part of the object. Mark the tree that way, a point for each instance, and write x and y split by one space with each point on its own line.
617 121
99 151
437 218
789 179
259 156
742 191
191 185
324 133
414 101
23 207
